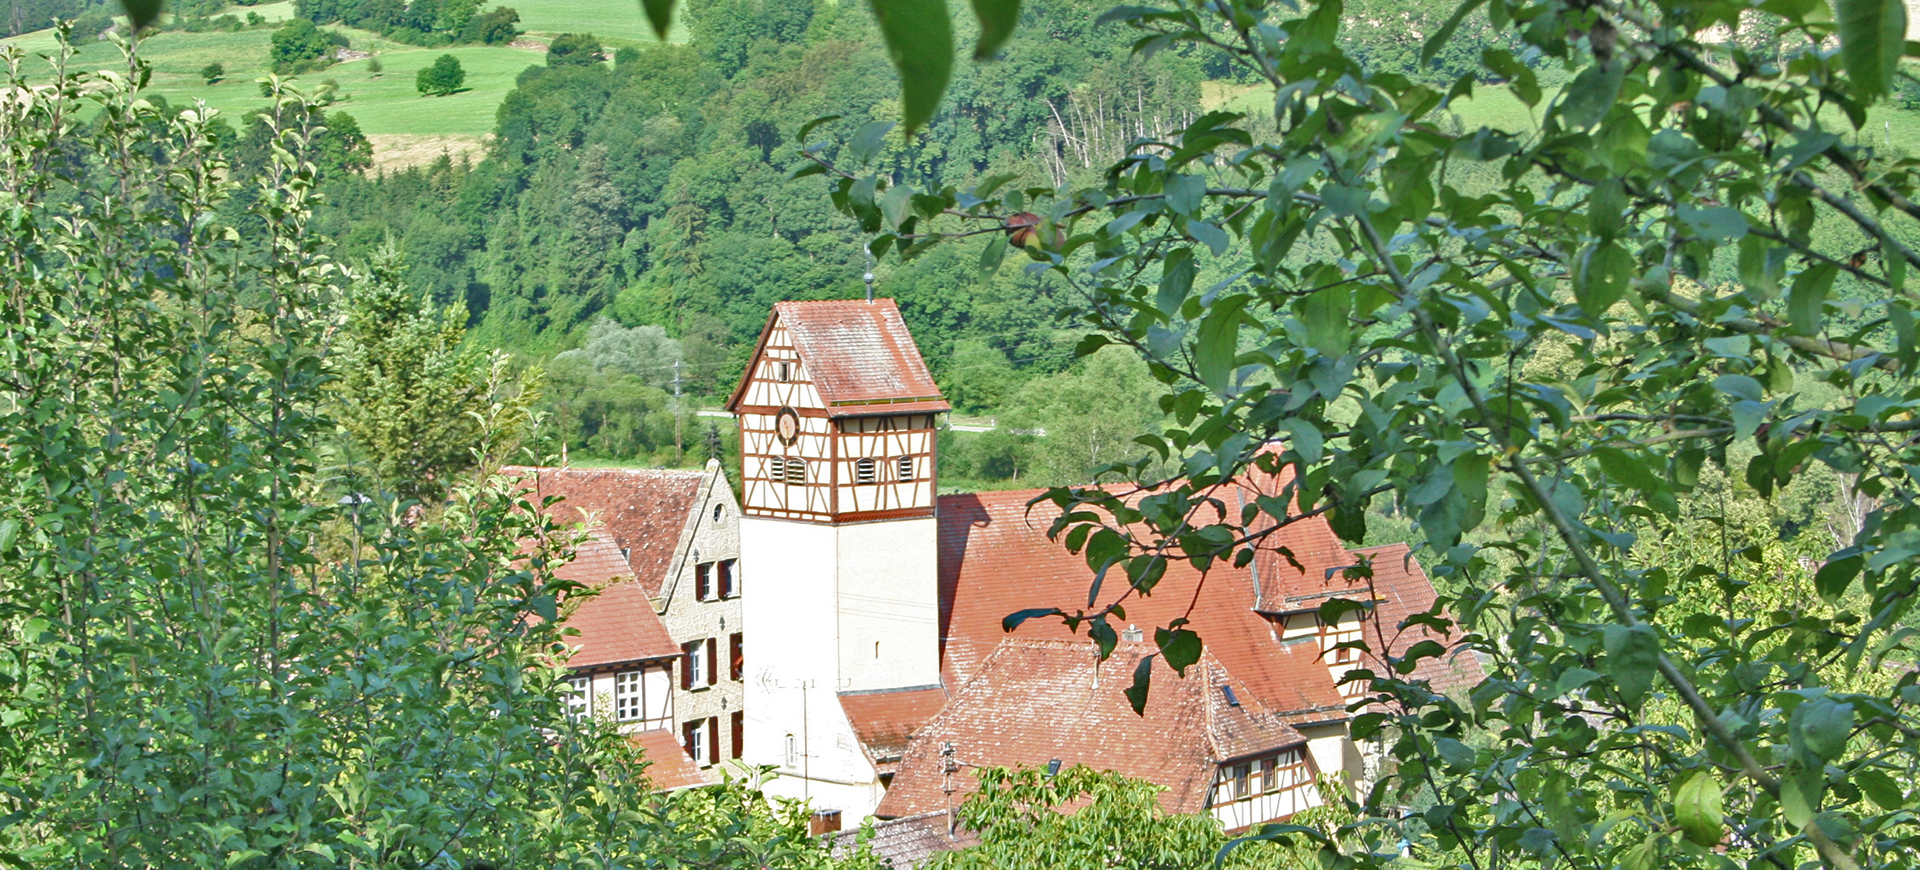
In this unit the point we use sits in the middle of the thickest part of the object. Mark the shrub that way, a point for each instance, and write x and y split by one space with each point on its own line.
255 19
374 66
298 40
442 77
494 28
573 49
213 72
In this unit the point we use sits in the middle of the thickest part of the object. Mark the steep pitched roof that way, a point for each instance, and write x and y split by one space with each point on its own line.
670 769
995 559
1038 700
644 509
1404 590
885 721
859 354
596 562
908 841
617 626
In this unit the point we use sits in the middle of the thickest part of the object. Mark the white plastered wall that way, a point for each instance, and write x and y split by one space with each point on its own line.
792 667
1332 751
889 592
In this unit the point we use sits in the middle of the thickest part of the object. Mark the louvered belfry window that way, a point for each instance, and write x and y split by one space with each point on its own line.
864 471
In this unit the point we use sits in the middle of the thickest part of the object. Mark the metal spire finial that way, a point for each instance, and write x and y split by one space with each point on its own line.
869 276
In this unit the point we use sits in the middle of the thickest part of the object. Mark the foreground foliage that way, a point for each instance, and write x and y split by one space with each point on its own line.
1559 354
212 655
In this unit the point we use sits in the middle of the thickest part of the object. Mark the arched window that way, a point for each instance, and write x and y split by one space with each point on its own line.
777 468
906 467
793 753
864 471
719 510
796 470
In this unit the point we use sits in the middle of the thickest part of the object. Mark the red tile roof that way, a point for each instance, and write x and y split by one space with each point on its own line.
884 721
670 768
617 626
859 354
644 509
1037 700
906 842
596 562
995 559
1404 590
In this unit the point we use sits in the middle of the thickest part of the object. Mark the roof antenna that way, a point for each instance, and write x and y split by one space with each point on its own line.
869 276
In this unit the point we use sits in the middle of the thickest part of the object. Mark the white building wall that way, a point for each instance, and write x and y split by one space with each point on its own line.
1333 752
792 659
889 593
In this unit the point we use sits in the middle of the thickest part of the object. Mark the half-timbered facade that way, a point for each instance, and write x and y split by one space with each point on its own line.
837 416
844 432
879 670
674 537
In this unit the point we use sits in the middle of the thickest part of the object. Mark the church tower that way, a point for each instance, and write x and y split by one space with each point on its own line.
837 539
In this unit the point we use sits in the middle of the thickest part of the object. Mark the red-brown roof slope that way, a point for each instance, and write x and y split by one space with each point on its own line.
906 842
885 721
1038 700
1404 590
644 509
996 559
596 562
670 769
860 356
615 627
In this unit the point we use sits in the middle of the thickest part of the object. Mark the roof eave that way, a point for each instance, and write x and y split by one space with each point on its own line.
746 377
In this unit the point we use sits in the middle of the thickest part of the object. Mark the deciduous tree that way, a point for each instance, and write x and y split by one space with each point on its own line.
1347 291
440 78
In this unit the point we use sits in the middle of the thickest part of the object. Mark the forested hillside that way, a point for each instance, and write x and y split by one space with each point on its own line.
655 190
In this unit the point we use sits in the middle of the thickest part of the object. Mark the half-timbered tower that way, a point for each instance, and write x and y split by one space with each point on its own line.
837 413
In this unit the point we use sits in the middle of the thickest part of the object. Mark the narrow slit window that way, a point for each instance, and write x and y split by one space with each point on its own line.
864 471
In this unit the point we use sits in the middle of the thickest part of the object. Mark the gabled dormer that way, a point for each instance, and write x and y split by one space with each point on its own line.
837 414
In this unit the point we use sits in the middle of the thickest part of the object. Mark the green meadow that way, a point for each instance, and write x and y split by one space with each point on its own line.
385 103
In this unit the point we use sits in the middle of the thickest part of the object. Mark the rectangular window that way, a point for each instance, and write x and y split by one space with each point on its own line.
695 734
1267 768
736 656
739 733
579 697
725 570
703 581
712 670
627 702
690 662
1240 772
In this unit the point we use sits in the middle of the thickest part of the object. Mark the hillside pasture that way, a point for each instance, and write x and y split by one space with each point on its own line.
386 104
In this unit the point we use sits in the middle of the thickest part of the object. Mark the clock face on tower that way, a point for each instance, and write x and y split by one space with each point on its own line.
787 426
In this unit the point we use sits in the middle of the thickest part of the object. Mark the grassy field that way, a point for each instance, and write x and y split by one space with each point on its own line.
386 105
1495 106
616 22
